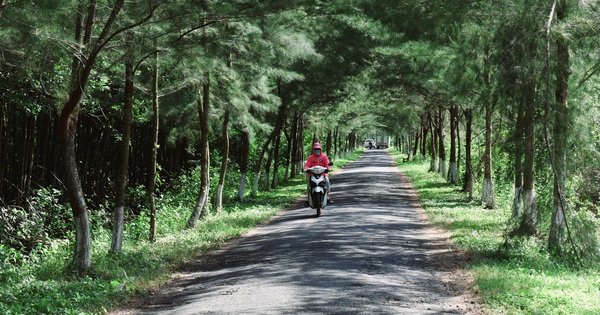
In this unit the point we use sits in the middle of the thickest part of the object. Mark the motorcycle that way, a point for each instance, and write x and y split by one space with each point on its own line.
317 195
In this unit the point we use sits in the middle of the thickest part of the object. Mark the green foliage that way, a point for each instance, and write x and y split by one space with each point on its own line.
44 219
41 282
514 276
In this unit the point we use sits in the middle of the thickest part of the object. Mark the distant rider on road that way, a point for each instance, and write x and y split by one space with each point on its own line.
318 158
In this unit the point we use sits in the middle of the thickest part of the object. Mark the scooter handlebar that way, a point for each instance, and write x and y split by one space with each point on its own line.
317 169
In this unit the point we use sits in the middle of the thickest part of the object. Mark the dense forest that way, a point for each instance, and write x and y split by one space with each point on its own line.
107 105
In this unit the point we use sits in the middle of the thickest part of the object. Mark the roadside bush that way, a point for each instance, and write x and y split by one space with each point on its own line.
44 219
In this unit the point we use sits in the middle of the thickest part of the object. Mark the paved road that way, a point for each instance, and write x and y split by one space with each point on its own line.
371 252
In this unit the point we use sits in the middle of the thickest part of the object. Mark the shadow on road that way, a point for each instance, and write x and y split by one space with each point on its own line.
371 252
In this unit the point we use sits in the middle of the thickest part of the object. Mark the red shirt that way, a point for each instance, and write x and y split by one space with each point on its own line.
313 160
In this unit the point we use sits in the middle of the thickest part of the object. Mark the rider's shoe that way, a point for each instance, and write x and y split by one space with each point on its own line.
306 204
329 201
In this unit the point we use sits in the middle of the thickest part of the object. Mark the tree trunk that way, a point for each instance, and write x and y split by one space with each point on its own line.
300 147
416 144
442 148
528 224
204 113
244 164
280 125
121 180
487 196
259 166
68 129
560 135
328 142
274 182
458 144
453 172
292 156
155 129
286 165
433 164
518 140
81 258
468 180
336 134
268 165
424 128
224 158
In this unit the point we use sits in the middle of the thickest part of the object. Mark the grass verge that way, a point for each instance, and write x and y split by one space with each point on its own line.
41 282
514 276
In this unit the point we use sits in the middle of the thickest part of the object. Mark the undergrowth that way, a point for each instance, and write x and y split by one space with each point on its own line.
513 276
41 281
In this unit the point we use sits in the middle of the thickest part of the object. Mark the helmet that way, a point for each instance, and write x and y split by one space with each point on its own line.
317 145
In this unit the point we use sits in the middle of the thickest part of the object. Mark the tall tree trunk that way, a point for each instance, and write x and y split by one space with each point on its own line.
268 165
122 168
560 135
274 182
416 144
453 172
468 180
204 113
224 158
518 140
68 129
336 134
277 141
433 164
155 131
328 143
288 152
259 166
300 146
528 224
424 128
441 135
487 196
293 156
244 164
81 258
224 148
458 144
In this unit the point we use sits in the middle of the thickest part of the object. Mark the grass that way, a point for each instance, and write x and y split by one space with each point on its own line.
514 276
41 282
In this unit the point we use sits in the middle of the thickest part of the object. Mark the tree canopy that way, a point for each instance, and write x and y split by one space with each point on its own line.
509 89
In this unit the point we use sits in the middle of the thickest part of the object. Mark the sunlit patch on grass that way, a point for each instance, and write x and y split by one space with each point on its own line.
514 276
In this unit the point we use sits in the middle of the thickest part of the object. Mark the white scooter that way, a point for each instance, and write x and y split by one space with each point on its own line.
317 196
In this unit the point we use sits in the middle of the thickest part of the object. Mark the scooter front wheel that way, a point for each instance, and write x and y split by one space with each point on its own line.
317 197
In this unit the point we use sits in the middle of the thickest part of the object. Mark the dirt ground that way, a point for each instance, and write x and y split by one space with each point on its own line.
371 252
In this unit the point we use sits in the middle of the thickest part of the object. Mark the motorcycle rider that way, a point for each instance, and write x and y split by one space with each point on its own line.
318 158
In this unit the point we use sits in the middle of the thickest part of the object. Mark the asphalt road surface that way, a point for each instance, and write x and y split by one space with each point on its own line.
371 252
